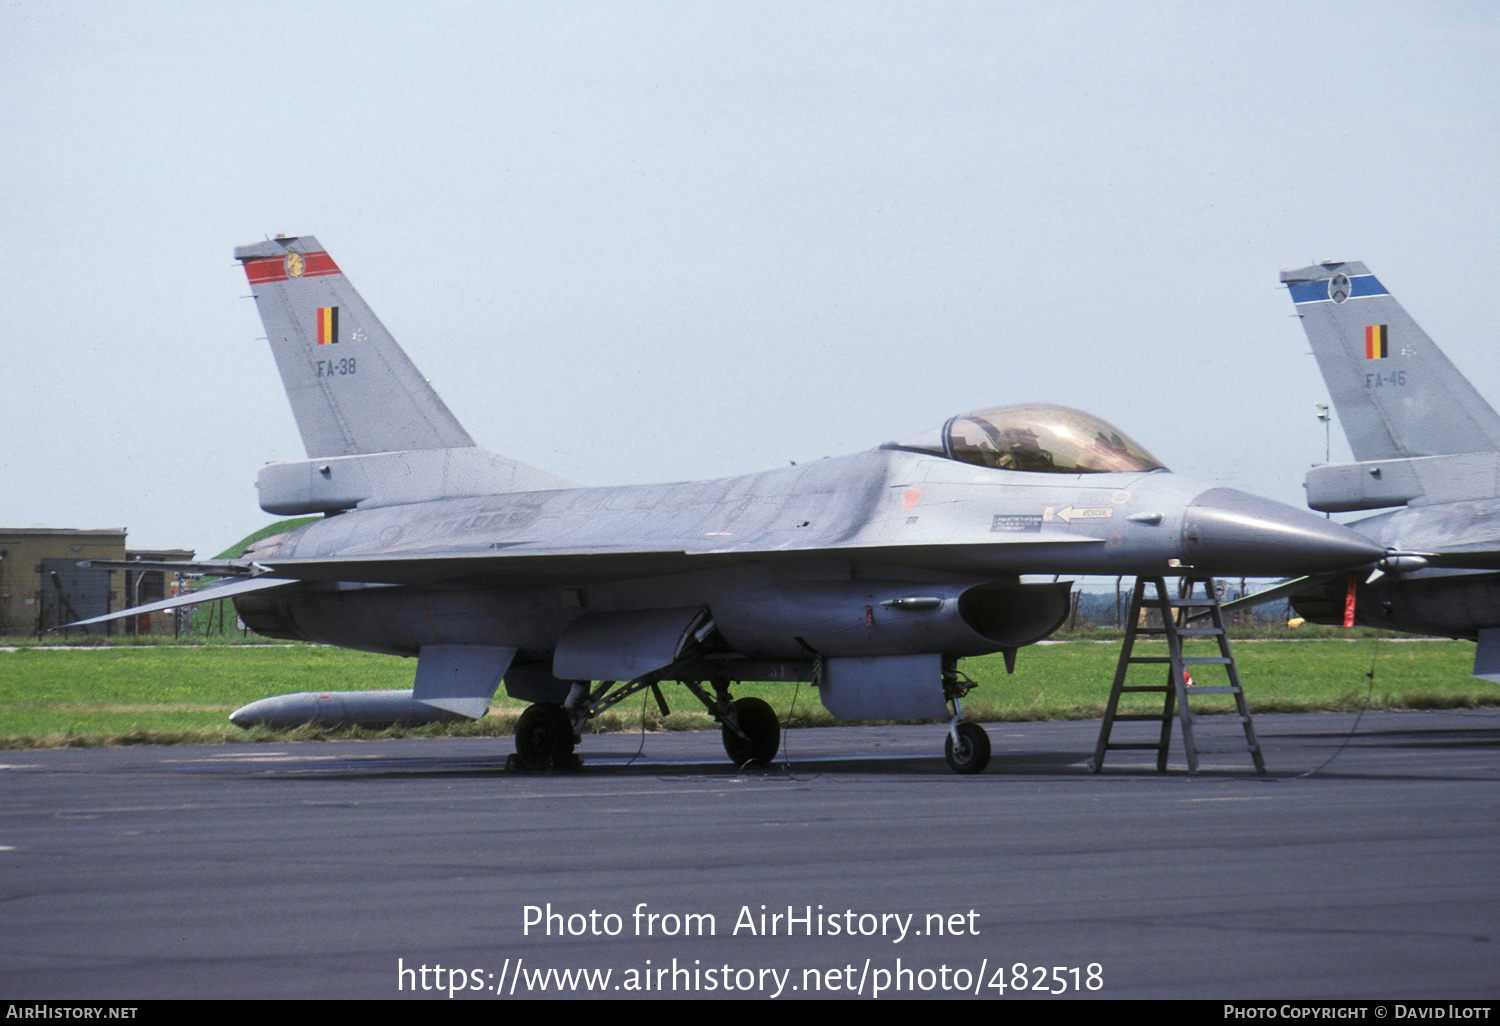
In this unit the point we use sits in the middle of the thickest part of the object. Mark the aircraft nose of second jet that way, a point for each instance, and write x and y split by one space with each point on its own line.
1231 532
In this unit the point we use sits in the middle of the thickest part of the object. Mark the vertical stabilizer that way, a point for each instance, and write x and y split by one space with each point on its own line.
1396 394
352 389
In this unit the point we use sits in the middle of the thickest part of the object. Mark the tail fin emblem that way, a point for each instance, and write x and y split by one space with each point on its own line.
1338 288
294 265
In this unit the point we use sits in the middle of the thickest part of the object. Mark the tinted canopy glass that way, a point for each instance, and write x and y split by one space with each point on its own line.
1036 437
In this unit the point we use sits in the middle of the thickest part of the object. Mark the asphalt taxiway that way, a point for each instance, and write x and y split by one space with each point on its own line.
1362 865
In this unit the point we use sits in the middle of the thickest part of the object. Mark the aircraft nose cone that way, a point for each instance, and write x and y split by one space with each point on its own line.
1232 533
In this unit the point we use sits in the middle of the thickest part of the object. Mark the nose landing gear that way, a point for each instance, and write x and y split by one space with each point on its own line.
967 749
970 753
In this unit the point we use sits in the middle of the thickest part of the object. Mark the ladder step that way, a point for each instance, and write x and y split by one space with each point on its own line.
1186 660
1194 632
1182 632
1227 689
1139 717
1138 748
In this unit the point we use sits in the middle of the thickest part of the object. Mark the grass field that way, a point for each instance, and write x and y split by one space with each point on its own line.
125 694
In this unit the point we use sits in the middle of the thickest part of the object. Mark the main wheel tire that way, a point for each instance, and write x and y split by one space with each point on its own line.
972 753
544 737
758 720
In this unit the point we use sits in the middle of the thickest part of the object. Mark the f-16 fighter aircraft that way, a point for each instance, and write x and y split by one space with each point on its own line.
868 576
1427 443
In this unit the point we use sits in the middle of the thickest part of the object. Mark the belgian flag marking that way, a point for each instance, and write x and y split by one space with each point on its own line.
328 325
1376 342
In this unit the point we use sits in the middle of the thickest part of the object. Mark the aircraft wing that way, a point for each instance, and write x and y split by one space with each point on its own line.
1468 558
584 565
1463 558
572 566
1286 589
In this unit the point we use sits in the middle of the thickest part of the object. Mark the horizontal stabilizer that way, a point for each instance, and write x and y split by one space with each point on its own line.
200 568
192 598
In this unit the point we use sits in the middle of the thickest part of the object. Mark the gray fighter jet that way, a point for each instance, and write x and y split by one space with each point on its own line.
867 576
1424 441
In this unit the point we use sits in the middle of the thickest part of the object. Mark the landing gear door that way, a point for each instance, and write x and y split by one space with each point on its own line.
460 678
624 645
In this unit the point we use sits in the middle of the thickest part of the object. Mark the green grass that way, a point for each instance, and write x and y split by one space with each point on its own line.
124 694
1072 680
124 690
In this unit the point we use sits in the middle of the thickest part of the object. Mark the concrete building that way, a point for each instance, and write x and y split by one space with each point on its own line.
42 586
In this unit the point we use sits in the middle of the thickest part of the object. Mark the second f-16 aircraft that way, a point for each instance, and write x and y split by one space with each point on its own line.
1427 447
868 576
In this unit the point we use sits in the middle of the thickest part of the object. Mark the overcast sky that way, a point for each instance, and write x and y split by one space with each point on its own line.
636 242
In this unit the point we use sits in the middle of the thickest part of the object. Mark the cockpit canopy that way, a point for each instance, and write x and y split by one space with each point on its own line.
1037 437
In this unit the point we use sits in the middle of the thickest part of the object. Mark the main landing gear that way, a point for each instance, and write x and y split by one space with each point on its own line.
547 732
755 736
545 738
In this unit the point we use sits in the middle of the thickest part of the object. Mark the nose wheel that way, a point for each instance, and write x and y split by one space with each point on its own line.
971 752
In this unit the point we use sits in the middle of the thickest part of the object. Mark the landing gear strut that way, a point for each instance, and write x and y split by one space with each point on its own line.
752 733
547 732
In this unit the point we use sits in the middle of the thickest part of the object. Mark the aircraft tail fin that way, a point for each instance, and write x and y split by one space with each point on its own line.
1396 394
352 388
